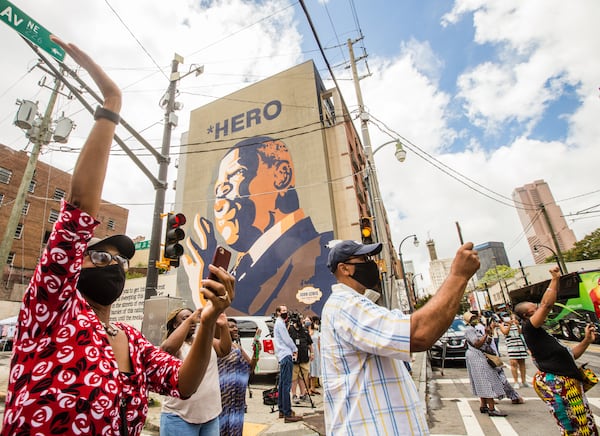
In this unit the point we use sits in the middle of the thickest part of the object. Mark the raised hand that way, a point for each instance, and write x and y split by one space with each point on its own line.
199 249
110 91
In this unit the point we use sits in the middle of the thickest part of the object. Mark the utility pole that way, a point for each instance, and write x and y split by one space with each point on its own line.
40 134
377 211
170 121
559 255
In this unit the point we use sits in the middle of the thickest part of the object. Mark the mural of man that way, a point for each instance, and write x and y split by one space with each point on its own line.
257 214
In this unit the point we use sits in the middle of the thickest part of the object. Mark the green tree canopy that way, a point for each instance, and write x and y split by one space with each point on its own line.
496 274
586 249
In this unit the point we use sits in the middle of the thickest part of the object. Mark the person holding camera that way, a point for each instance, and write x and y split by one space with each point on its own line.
301 371
517 350
286 352
558 382
367 388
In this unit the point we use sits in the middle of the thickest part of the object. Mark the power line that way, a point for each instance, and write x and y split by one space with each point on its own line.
136 40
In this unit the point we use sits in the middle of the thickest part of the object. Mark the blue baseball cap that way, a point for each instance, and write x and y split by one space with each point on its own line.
343 251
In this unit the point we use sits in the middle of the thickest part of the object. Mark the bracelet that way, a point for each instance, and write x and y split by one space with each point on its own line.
107 114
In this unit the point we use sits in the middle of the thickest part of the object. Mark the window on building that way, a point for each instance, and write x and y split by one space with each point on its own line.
1 199
59 194
25 209
47 235
11 258
31 189
5 175
53 217
111 224
19 231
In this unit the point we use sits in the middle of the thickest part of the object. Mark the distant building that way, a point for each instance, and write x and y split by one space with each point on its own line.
527 200
439 269
40 211
491 254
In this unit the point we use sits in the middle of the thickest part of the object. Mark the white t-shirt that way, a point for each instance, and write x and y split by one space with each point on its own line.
205 404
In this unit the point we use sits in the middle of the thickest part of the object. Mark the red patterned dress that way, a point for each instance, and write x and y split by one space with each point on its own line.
64 378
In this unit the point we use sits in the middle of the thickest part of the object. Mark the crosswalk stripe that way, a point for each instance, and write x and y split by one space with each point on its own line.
469 420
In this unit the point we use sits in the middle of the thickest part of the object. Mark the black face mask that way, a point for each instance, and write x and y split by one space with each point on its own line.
367 274
102 285
284 316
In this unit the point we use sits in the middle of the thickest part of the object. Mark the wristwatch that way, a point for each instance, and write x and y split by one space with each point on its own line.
108 114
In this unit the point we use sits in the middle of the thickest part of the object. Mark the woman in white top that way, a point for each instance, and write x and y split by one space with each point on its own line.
199 414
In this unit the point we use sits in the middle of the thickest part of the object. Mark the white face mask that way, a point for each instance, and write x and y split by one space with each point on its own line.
372 295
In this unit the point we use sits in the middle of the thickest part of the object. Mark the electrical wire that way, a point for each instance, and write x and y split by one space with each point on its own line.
136 40
445 168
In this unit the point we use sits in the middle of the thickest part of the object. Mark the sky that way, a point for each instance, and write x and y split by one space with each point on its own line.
486 96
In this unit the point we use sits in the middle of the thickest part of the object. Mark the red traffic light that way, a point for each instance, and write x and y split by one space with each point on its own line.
175 220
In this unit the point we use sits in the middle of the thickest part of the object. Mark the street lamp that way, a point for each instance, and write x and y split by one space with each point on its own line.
560 268
400 153
377 210
416 243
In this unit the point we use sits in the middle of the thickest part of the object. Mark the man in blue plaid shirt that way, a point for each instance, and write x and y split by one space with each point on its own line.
367 388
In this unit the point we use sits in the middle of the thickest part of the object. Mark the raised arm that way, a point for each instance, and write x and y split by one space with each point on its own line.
431 321
222 345
548 300
90 170
218 295
176 339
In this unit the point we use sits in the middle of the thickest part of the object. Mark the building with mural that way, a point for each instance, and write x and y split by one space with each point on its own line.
274 173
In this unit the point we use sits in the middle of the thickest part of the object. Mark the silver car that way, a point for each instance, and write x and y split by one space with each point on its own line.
247 326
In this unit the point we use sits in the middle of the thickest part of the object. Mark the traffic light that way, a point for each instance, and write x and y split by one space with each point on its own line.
365 231
173 234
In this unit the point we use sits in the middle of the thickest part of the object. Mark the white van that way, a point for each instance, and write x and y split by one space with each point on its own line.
247 325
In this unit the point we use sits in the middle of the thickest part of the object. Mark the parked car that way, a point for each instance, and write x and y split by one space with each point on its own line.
247 325
454 343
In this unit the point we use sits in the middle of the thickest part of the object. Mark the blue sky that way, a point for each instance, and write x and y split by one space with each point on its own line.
503 92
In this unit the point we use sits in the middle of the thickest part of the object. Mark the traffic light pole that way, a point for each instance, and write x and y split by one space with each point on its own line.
159 202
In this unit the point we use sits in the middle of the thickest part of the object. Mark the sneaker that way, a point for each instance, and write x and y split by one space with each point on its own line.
525 385
496 412
305 398
516 386
282 416
292 418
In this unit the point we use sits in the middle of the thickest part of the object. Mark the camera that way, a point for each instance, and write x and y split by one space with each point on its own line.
295 318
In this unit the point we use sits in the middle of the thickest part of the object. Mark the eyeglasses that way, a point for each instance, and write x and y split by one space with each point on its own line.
104 258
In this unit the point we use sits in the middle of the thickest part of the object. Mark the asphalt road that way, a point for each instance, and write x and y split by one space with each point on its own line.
453 410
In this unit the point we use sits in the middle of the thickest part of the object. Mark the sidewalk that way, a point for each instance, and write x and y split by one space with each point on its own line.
260 421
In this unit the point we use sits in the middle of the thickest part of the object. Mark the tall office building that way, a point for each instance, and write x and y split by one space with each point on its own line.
491 254
528 200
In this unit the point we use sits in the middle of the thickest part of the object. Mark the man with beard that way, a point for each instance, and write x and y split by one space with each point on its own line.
257 213
368 388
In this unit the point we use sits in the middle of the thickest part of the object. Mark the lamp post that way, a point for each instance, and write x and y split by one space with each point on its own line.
412 282
378 212
561 268
416 243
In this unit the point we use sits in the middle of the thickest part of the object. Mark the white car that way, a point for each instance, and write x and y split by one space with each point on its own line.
247 325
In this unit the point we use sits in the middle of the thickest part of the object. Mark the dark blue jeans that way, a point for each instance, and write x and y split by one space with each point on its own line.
285 385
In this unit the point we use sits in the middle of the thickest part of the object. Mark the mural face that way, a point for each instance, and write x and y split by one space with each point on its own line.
267 197
281 257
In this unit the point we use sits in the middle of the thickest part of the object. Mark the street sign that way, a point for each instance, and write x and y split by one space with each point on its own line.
30 29
142 245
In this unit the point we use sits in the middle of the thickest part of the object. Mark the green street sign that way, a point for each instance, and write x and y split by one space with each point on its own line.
142 245
27 27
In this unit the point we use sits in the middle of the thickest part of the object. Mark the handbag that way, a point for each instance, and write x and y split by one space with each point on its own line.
589 377
494 360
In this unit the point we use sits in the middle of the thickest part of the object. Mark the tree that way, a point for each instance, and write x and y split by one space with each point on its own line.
586 249
496 274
